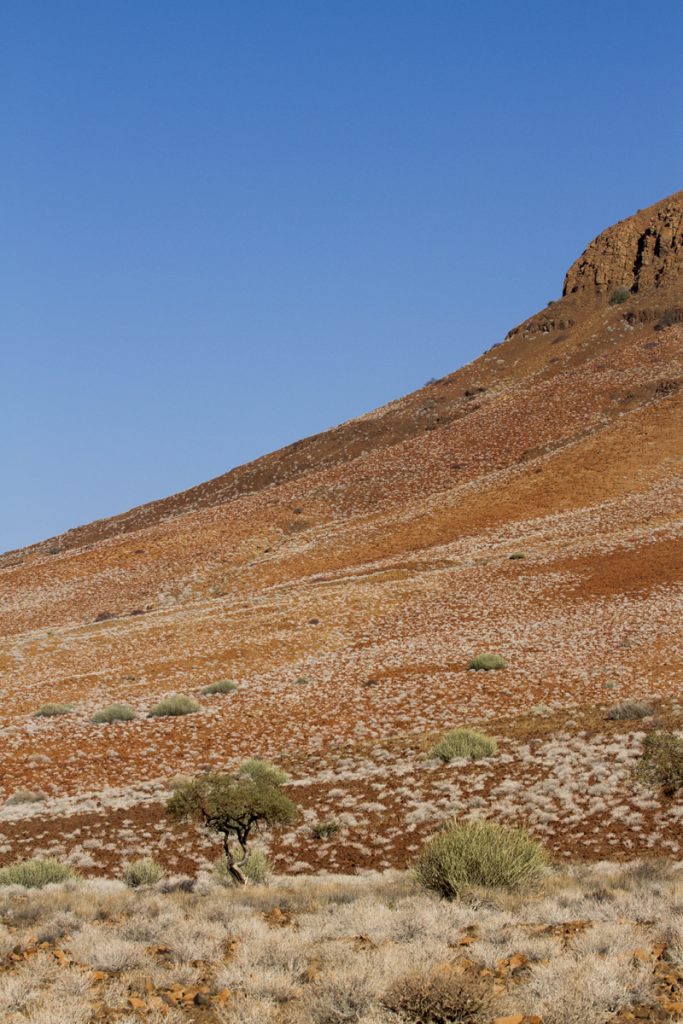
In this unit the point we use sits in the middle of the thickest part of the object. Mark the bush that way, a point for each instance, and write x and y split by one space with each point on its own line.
479 853
142 872
222 686
34 874
440 997
24 796
52 710
619 295
661 765
114 713
668 318
516 555
325 829
172 706
256 868
488 662
464 743
629 710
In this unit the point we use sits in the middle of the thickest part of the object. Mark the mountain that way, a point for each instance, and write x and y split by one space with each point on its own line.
528 504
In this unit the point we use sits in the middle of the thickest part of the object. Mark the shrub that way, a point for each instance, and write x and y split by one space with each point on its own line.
222 686
144 871
479 853
24 796
114 713
464 743
440 996
487 662
325 829
36 873
256 868
172 706
52 710
668 318
516 555
661 765
630 709
619 295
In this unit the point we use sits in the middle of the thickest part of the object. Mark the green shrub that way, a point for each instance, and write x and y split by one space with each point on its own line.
325 829
144 871
629 710
440 996
479 853
24 796
34 874
661 765
256 868
487 662
516 556
53 710
619 295
464 743
172 706
222 686
114 713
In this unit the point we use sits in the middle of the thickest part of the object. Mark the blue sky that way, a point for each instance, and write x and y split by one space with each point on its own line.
229 225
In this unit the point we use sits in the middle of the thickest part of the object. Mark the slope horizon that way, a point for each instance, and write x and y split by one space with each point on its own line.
308 437
228 229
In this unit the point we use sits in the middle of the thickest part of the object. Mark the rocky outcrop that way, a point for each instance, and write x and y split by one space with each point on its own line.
639 253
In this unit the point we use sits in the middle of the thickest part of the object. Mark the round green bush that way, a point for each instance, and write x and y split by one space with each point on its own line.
53 710
222 686
464 743
488 662
172 706
114 713
479 853
144 871
36 873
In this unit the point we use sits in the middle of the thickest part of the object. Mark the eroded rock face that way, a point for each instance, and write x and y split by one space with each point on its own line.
639 253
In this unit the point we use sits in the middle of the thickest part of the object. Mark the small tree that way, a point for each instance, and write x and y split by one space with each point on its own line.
234 806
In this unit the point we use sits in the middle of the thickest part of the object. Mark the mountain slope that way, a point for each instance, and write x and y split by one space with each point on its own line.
373 561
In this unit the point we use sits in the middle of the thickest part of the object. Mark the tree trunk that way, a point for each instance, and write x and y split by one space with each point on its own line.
234 869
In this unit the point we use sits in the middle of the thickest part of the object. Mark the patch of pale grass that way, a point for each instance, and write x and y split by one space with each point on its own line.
466 743
100 948
579 990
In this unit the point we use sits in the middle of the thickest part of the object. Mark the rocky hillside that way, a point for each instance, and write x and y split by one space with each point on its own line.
528 504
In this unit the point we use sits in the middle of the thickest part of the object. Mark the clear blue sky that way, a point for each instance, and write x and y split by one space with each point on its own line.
227 225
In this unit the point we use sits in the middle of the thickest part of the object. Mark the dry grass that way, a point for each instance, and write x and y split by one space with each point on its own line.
370 949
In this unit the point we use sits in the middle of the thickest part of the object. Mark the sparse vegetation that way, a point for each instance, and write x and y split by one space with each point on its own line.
174 706
479 853
661 765
440 996
487 662
464 743
24 796
516 556
144 871
325 829
114 713
36 873
619 295
629 710
53 710
222 686
234 806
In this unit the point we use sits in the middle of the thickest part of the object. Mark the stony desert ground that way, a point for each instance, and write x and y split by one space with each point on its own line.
528 505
